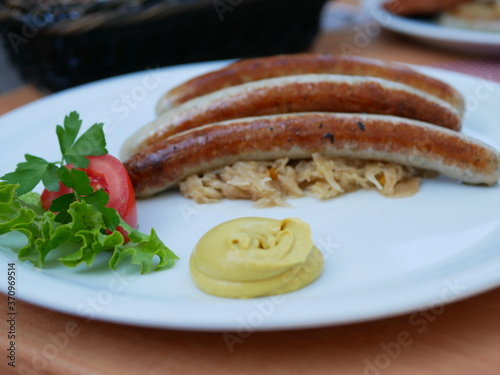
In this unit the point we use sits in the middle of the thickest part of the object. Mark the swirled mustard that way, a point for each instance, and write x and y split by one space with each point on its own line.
253 257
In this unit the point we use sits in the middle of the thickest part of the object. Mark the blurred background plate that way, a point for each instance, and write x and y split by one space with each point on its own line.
428 31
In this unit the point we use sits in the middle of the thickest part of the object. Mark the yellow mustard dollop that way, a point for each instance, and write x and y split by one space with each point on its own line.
253 257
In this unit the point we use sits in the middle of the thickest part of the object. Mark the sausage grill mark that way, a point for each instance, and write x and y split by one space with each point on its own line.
330 137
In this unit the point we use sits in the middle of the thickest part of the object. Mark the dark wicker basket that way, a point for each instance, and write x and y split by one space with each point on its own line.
56 49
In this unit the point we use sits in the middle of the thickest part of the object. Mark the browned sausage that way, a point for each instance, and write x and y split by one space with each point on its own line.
301 93
420 7
298 135
284 65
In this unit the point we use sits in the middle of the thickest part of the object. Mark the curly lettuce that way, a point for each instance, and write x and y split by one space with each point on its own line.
83 237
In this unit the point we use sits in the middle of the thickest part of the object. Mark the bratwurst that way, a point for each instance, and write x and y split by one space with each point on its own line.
249 70
300 93
297 136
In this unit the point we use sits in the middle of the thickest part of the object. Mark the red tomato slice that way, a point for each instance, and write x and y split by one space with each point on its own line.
48 196
108 173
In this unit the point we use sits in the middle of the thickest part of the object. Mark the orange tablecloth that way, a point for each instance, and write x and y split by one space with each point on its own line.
460 338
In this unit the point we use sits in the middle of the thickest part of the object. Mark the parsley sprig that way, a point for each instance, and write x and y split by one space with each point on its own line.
82 226
74 151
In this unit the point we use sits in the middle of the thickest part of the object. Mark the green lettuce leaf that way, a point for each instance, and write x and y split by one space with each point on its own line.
84 237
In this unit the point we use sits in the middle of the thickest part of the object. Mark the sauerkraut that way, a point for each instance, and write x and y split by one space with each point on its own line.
270 183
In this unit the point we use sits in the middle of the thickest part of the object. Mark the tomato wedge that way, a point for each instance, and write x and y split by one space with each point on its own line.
48 196
108 173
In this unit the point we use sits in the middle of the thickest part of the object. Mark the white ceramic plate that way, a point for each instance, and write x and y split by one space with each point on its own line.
383 256
431 33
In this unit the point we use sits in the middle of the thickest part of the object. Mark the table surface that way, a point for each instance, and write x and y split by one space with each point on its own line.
460 338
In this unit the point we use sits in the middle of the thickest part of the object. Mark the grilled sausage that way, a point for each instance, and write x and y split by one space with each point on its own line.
284 65
421 7
296 136
301 93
